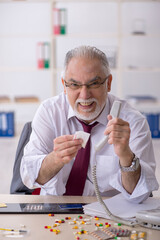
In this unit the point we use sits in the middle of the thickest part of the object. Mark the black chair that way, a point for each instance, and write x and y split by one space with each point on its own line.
17 186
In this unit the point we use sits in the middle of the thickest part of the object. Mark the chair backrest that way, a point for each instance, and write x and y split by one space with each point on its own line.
17 186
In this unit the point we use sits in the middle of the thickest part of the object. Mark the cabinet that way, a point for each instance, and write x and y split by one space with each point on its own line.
127 31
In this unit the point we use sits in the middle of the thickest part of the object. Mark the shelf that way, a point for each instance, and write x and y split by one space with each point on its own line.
117 1
78 1
87 35
24 69
24 112
141 69
24 1
56 1
147 107
79 35
29 69
141 35
26 36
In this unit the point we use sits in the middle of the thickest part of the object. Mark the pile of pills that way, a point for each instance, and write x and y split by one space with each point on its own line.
102 230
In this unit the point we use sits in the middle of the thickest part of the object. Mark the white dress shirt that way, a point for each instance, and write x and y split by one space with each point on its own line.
55 117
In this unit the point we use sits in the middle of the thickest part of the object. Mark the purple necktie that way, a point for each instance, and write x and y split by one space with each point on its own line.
78 174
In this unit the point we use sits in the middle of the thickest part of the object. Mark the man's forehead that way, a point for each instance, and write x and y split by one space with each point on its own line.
84 59
89 80
87 65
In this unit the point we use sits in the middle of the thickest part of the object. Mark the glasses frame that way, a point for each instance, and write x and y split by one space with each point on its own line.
88 85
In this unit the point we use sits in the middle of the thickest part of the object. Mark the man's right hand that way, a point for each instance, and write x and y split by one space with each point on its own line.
65 149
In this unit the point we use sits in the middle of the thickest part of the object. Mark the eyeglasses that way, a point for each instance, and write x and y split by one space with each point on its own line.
92 85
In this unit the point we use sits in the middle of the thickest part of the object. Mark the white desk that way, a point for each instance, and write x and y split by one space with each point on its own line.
35 222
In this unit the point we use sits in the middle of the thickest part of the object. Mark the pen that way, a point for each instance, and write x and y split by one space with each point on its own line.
13 230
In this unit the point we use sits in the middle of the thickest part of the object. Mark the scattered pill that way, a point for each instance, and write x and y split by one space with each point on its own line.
51 214
75 227
47 227
117 224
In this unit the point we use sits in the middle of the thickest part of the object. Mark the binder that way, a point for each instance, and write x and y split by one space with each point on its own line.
40 55
46 55
7 124
56 21
62 21
154 123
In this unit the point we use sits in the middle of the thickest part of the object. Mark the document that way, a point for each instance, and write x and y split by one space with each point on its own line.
120 207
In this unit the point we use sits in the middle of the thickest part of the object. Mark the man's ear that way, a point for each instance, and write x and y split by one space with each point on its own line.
109 83
64 87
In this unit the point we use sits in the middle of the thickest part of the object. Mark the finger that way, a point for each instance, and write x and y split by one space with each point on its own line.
117 128
63 138
119 135
68 151
109 117
67 155
67 159
118 139
66 142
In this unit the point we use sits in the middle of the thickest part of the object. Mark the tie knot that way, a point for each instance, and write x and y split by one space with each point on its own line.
86 127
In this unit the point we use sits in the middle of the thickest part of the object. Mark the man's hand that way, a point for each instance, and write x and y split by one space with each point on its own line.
119 135
66 148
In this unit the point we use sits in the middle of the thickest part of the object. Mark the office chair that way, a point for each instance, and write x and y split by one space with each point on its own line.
17 186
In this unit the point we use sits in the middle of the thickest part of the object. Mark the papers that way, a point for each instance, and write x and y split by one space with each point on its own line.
83 135
120 207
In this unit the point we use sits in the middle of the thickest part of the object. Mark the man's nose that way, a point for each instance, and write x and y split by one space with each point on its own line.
84 92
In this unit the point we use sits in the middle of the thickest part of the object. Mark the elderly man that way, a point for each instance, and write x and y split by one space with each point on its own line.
125 164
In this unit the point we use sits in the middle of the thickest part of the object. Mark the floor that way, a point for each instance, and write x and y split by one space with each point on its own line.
7 155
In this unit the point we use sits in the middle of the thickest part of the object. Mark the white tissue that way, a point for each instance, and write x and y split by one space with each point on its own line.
82 135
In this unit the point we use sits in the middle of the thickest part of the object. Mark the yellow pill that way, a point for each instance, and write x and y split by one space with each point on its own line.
75 227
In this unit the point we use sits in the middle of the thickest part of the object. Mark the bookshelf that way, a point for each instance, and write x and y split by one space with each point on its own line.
126 30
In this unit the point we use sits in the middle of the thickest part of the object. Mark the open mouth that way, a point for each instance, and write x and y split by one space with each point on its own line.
86 104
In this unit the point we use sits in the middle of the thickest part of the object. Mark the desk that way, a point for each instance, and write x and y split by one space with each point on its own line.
35 222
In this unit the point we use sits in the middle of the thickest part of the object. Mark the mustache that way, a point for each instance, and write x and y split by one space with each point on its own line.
85 101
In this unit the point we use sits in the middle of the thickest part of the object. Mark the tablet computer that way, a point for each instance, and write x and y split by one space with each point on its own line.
57 208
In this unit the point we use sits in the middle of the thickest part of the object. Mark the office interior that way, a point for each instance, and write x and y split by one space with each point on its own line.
34 38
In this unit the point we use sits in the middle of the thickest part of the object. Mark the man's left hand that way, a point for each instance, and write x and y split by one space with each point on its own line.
118 131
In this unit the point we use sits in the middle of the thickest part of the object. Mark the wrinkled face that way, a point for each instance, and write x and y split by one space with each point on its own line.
88 100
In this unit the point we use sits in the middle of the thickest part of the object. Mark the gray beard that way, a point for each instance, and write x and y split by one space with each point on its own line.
92 115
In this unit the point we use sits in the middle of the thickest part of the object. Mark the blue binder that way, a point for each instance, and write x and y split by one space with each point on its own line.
154 123
7 124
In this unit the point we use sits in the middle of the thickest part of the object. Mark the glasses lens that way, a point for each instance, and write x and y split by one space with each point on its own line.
97 84
92 85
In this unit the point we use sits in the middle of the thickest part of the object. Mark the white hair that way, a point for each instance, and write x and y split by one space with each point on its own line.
87 52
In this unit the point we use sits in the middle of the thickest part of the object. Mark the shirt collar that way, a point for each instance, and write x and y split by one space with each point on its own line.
70 112
102 118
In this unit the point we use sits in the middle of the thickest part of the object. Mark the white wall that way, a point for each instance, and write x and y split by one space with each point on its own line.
103 24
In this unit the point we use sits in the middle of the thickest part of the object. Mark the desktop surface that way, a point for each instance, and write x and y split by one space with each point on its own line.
38 225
